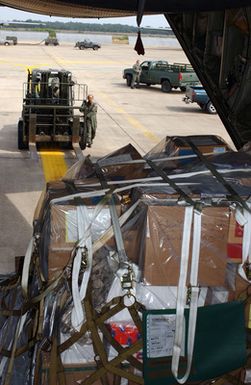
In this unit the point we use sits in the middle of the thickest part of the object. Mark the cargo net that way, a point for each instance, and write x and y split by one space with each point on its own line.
109 247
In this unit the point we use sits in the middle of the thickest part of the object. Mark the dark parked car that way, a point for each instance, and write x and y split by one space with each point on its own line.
198 95
87 44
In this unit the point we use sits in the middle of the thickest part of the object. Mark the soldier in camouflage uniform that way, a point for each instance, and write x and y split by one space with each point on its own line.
136 74
89 108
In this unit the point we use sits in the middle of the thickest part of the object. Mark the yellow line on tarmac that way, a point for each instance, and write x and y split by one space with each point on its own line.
24 65
148 134
88 61
134 122
54 165
37 65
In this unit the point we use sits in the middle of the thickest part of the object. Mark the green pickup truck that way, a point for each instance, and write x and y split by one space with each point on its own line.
176 75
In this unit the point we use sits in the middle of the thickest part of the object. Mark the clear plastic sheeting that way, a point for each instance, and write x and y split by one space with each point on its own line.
115 166
225 161
107 245
180 152
79 353
16 329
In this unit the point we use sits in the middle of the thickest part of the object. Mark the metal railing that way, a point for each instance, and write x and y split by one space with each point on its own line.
39 94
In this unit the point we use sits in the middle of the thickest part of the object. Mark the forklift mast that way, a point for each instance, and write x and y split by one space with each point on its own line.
51 113
40 84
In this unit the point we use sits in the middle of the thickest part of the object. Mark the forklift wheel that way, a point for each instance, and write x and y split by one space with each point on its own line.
82 134
82 144
66 145
21 144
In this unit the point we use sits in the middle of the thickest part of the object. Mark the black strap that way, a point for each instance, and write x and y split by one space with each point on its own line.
234 195
115 220
165 178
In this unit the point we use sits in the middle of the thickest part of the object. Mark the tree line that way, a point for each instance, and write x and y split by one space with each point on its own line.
85 27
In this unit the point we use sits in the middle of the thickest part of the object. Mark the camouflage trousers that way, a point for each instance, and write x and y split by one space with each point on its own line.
135 79
90 131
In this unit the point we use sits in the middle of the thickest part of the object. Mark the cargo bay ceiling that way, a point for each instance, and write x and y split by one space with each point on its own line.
215 35
112 8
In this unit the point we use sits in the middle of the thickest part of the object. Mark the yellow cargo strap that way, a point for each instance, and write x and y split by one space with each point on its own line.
54 165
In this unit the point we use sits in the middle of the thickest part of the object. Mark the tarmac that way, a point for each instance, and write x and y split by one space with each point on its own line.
141 117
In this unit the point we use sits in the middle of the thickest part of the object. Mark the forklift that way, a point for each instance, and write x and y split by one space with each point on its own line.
50 98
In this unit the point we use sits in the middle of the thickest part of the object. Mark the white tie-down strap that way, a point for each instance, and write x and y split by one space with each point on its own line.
84 236
13 342
26 267
13 345
244 219
110 231
182 293
84 247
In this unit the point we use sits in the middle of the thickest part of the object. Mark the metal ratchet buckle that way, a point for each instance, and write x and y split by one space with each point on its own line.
247 269
127 280
84 258
129 299
189 293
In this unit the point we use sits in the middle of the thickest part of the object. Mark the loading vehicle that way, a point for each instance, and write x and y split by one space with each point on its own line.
51 41
87 44
50 100
9 40
12 39
197 94
169 76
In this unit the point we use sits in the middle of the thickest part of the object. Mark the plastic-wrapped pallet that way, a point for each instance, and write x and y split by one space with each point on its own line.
108 247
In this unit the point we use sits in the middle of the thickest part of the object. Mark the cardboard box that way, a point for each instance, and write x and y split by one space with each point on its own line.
75 373
64 225
115 166
19 263
163 241
64 234
205 143
176 146
235 237
57 261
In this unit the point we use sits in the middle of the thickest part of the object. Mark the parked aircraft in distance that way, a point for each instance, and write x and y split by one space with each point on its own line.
13 23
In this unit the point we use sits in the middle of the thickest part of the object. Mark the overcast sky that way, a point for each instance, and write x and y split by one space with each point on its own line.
8 14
